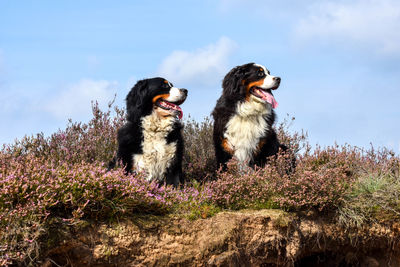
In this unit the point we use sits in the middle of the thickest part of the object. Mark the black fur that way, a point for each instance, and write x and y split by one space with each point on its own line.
139 103
235 91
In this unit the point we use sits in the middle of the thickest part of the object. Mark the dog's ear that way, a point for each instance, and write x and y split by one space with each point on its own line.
135 100
233 83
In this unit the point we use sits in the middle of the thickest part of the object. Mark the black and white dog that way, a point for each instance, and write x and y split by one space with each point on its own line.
151 140
243 116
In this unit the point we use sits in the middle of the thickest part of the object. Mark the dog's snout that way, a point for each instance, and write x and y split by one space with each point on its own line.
277 79
184 91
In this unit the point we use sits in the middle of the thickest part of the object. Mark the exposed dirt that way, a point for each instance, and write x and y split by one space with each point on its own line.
246 238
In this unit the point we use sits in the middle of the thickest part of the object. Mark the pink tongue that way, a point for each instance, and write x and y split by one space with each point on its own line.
177 108
269 98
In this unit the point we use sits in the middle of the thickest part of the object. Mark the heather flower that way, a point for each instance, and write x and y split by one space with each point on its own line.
63 178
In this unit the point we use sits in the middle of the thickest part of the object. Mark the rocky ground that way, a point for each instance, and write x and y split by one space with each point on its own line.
245 238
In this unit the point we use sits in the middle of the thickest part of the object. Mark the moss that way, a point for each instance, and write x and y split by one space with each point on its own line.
283 220
203 211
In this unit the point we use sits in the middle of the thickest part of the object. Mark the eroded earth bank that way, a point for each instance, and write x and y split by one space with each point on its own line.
245 238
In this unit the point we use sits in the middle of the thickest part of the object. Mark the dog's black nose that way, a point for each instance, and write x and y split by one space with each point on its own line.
277 79
183 90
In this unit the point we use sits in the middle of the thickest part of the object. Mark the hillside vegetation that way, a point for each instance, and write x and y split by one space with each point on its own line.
56 183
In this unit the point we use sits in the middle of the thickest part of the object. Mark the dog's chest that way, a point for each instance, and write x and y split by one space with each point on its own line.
157 152
245 129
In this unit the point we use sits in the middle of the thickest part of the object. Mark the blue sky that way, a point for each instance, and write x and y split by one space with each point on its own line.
338 60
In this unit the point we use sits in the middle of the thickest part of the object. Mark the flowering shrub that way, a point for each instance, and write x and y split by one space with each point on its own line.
33 191
313 184
375 194
46 182
319 181
79 142
295 141
199 159
237 189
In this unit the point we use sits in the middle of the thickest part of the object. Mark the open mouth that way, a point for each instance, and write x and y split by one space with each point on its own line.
170 106
265 95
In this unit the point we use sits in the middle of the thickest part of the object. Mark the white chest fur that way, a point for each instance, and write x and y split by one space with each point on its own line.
246 127
157 154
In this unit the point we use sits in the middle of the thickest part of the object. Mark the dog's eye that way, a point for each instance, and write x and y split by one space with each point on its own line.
165 85
261 73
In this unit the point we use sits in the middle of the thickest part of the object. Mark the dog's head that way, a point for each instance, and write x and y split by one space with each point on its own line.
250 82
156 94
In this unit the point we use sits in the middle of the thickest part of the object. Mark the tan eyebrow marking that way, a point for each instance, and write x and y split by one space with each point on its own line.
163 96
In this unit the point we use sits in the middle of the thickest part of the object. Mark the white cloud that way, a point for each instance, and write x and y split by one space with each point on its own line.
368 23
75 101
203 66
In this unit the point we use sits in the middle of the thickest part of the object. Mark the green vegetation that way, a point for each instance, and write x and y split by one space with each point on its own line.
49 184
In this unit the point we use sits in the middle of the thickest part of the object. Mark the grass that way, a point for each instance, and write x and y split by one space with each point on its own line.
374 198
49 184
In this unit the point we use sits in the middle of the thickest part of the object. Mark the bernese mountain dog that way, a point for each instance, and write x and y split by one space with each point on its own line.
244 115
151 140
